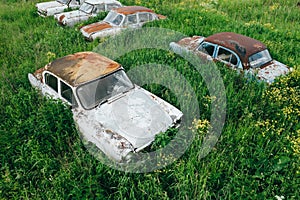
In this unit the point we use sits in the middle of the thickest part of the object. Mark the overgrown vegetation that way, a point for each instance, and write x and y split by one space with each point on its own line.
256 157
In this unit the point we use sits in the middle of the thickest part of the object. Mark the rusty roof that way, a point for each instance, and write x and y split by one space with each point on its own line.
132 9
244 46
82 67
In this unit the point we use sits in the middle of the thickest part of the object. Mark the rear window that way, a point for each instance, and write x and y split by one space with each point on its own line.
260 58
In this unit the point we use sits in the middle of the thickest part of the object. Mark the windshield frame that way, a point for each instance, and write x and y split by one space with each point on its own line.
264 56
107 97
92 6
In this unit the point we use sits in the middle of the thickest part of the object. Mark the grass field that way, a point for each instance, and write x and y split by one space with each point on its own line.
256 157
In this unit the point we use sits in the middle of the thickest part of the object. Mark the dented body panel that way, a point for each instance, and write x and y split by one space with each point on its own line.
89 9
123 123
51 8
119 19
238 52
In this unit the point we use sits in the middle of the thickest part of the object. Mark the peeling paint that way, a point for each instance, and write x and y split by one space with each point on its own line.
119 19
87 10
126 122
51 8
245 47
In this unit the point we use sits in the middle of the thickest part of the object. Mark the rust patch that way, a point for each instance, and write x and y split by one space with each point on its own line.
82 67
96 27
161 16
132 9
61 17
190 42
38 73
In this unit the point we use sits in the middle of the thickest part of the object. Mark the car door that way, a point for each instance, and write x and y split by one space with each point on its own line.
228 57
207 50
67 94
131 21
97 9
144 17
50 87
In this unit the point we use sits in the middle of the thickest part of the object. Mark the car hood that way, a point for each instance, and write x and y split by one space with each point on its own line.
135 116
272 71
47 5
95 27
72 14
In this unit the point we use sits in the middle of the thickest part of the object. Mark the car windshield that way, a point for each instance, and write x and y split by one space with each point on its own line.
87 8
63 1
114 18
100 90
260 58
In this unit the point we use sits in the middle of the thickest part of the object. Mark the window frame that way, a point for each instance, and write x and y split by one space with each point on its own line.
73 93
58 93
126 20
99 8
148 18
46 73
226 62
212 44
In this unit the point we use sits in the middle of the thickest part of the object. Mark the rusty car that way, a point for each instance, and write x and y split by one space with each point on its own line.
117 116
244 54
89 9
51 8
118 20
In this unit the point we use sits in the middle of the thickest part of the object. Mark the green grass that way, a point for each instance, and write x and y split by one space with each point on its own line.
256 157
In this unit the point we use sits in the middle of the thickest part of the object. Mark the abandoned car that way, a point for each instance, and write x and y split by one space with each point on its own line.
51 8
119 19
238 52
110 111
89 9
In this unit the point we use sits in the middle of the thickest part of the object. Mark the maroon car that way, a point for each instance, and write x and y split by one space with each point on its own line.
236 51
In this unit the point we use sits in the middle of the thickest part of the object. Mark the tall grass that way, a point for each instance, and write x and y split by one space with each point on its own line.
256 157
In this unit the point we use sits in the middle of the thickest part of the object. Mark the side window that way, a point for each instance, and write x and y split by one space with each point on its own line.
144 17
111 6
51 81
75 2
118 20
207 48
67 93
98 8
131 19
227 56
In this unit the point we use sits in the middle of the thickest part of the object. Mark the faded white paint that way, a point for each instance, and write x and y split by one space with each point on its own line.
95 7
114 28
51 8
126 122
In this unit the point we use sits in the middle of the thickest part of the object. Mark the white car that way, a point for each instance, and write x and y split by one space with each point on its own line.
110 111
51 8
90 8
119 19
